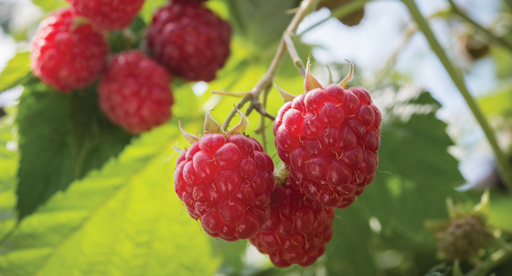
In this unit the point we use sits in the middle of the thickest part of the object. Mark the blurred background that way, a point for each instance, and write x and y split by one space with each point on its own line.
432 147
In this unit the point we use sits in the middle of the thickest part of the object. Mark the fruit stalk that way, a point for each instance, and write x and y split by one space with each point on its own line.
305 8
457 78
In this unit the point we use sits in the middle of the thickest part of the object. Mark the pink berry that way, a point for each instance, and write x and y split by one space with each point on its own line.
226 182
67 56
190 40
108 15
297 230
134 92
329 138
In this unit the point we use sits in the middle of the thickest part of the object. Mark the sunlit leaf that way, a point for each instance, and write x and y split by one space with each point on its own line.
62 137
124 219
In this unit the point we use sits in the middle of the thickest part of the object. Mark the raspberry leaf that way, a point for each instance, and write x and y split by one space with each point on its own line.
62 138
9 158
414 170
17 72
141 225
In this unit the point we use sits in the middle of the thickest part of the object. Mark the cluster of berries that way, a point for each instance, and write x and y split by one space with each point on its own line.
328 140
185 39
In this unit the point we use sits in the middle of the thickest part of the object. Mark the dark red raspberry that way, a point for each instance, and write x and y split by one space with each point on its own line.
328 138
67 55
134 92
226 183
108 15
190 40
297 230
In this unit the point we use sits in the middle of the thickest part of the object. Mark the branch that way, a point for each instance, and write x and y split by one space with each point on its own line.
294 55
306 6
495 38
457 78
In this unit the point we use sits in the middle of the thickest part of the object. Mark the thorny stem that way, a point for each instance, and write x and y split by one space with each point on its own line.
457 78
408 32
306 6
499 40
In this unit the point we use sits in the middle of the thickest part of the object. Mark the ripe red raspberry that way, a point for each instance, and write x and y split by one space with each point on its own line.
134 92
108 15
328 138
297 230
190 40
65 54
226 181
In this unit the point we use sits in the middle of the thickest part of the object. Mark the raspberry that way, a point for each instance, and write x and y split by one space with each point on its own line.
190 40
134 92
462 238
108 15
351 19
226 181
65 55
328 138
297 230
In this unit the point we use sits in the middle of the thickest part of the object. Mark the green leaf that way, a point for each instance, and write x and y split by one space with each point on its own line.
149 8
499 215
497 103
62 137
122 220
127 39
440 270
415 168
50 5
17 71
456 269
348 253
8 164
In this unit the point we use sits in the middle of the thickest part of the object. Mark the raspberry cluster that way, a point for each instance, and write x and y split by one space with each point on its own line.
69 52
328 138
